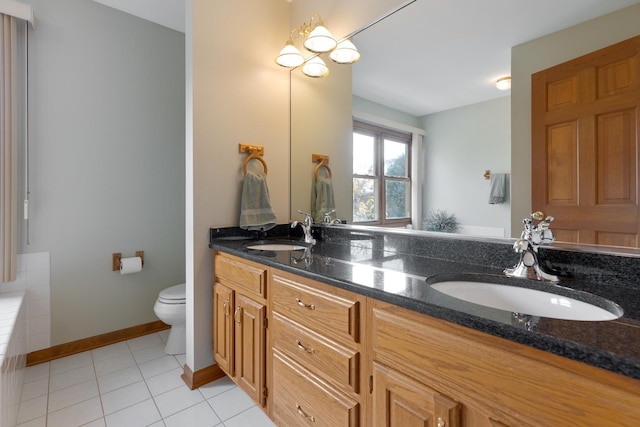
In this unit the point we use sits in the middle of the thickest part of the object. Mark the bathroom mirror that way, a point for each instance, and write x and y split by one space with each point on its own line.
321 113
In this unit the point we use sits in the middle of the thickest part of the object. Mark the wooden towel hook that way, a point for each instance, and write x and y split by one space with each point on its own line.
323 161
255 152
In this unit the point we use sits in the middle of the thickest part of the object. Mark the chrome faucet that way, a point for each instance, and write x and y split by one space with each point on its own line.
306 225
527 246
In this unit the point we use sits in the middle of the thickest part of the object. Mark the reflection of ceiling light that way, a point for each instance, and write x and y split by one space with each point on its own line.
345 53
504 83
318 39
315 67
289 56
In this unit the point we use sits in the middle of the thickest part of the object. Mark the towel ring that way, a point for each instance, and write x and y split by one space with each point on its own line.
254 154
323 163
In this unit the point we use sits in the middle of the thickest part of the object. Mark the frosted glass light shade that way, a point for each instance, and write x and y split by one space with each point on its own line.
320 40
504 83
289 56
345 53
315 67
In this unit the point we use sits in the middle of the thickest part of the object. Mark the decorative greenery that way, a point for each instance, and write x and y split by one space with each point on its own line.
440 221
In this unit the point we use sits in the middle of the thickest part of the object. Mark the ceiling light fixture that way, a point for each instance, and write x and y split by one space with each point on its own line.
318 40
504 83
345 53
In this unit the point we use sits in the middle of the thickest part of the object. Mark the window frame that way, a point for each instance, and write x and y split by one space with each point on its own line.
380 133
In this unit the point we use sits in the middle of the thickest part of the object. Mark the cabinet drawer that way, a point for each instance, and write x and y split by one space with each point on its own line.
244 274
300 399
322 356
328 314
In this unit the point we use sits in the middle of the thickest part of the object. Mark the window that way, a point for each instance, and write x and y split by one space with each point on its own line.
381 175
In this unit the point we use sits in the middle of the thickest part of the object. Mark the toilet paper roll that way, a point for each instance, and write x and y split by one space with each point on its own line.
130 265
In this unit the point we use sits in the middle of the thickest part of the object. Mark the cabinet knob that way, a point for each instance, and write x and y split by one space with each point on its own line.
302 304
441 422
305 348
301 412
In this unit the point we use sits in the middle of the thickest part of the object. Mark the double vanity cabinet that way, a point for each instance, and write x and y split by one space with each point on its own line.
314 354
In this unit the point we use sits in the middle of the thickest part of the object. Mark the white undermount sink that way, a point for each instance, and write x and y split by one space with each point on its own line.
529 301
276 247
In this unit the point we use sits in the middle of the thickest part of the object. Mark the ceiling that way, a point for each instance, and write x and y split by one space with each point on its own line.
449 53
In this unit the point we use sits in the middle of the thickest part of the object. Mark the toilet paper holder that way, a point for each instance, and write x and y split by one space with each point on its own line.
117 256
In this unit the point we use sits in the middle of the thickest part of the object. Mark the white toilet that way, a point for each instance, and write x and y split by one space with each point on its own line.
171 309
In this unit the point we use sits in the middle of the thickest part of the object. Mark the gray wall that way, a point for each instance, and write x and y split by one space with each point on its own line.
459 145
107 162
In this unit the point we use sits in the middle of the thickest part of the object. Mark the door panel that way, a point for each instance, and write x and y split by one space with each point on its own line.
585 155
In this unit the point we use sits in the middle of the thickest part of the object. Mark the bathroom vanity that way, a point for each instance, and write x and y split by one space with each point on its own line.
349 333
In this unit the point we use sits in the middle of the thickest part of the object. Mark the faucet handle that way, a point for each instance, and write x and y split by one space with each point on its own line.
327 216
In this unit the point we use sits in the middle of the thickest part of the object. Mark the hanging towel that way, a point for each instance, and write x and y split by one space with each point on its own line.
497 192
255 207
321 198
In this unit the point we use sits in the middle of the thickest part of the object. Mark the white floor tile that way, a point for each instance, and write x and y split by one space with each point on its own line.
216 387
36 372
230 403
158 366
71 395
110 351
71 362
165 382
38 422
141 414
100 422
253 417
181 358
119 379
124 397
31 409
113 364
200 415
144 341
149 353
177 400
34 389
80 390
76 415
71 377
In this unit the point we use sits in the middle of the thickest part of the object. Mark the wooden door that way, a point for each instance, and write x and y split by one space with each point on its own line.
584 146
223 346
400 401
250 347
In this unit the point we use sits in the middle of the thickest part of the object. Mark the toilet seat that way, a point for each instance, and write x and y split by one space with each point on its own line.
173 295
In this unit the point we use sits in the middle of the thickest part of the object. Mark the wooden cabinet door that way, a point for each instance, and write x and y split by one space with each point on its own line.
250 346
400 401
584 140
223 346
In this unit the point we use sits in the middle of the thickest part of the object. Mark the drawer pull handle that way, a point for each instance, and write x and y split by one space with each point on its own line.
304 348
225 308
301 412
441 422
301 304
235 315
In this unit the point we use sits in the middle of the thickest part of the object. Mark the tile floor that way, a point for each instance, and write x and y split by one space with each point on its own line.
130 384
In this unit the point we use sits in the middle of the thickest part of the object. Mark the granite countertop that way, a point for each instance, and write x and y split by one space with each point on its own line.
373 266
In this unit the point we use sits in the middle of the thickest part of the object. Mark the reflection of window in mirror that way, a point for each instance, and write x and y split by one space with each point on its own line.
381 176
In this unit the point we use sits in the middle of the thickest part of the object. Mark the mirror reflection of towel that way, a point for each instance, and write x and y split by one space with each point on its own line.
322 200
255 206
497 192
